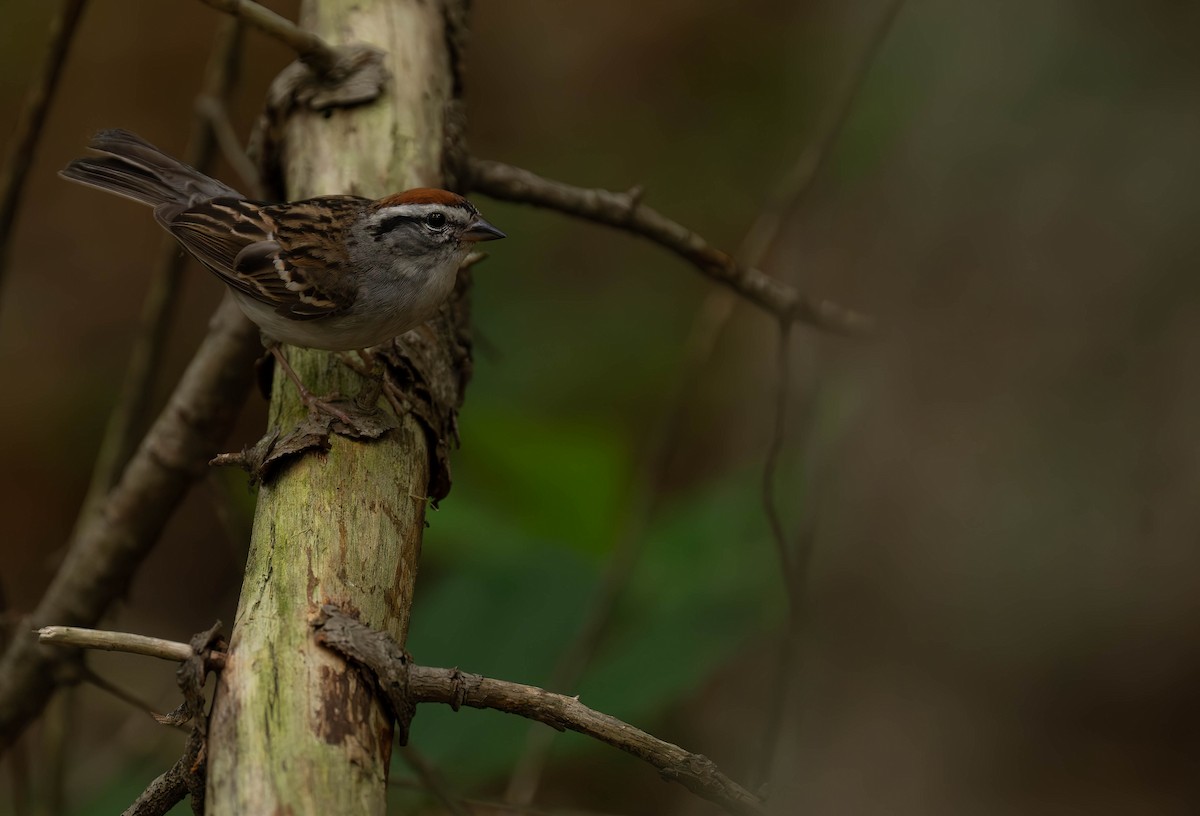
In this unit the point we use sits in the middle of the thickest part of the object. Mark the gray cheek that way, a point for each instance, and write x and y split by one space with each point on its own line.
416 242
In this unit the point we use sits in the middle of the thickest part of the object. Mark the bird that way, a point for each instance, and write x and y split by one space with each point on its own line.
334 272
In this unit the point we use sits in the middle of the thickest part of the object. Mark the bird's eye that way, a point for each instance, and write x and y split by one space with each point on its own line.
436 221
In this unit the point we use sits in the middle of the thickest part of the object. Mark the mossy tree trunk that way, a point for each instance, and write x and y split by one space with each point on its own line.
294 730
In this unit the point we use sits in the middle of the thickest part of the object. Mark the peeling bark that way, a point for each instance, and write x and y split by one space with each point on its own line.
294 729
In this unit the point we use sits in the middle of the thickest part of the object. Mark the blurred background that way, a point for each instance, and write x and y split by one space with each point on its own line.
997 492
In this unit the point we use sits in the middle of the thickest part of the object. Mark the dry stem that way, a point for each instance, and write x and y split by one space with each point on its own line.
31 119
107 549
405 685
312 50
627 212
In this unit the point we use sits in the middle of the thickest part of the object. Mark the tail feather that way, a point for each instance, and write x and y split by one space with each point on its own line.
136 169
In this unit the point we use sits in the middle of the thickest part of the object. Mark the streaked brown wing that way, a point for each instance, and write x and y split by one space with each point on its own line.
269 252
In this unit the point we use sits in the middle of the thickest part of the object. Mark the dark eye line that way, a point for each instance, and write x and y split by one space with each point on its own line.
390 223
435 220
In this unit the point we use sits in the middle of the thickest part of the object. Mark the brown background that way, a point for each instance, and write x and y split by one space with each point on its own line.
1002 614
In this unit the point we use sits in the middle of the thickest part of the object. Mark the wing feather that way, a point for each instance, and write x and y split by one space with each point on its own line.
270 255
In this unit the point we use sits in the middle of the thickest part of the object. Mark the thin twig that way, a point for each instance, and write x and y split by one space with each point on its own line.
311 49
406 685
215 111
128 416
798 181
625 211
104 640
105 551
774 449
164 793
87 675
708 324
695 772
795 561
797 184
662 442
187 775
787 563
31 119
431 779
115 642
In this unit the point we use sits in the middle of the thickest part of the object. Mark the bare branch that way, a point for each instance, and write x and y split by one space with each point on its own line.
164 793
794 561
214 111
799 179
115 642
406 685
31 119
109 547
128 417
82 638
314 52
710 321
774 449
625 211
87 675
695 772
655 455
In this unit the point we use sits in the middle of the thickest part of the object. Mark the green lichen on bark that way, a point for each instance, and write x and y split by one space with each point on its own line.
294 729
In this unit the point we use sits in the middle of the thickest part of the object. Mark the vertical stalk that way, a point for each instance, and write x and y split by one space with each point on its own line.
294 730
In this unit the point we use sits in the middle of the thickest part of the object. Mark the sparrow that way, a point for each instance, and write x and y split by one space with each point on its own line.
336 272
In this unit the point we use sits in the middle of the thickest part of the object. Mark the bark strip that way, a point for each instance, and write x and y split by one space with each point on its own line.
294 729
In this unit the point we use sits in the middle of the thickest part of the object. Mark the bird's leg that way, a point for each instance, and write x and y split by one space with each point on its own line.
367 366
365 363
313 403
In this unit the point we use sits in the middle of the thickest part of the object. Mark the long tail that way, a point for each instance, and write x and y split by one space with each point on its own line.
136 169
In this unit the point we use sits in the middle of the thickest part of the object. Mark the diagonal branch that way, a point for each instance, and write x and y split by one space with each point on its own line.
405 685
165 792
710 321
625 211
774 450
794 561
128 417
313 51
696 772
798 180
107 549
332 76
32 117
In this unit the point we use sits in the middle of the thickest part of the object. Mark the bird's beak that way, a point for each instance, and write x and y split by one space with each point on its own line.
481 230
